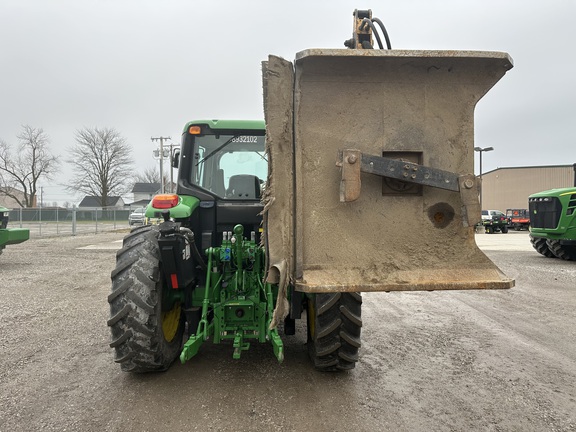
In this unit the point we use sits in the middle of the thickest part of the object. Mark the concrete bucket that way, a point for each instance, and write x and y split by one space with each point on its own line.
371 155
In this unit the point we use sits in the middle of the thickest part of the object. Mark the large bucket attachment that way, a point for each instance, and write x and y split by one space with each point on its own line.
370 161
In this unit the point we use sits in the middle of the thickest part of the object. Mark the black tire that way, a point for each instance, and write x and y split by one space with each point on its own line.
564 252
334 326
504 229
489 230
541 247
145 337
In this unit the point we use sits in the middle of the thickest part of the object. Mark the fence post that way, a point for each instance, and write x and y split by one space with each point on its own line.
96 211
40 220
20 212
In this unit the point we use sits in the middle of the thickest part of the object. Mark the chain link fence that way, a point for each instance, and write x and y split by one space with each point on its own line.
52 221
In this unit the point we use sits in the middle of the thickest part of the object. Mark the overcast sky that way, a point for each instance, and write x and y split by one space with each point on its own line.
147 67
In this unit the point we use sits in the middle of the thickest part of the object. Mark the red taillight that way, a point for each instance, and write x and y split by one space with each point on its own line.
165 201
174 280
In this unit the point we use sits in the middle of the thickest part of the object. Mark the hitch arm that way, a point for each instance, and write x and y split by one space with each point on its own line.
353 162
205 329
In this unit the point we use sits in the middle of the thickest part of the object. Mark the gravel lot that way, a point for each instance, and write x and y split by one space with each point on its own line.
442 361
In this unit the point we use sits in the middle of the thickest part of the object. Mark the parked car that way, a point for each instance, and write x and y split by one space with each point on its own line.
137 216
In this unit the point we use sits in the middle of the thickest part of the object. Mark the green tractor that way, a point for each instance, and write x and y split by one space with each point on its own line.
347 187
203 268
10 235
553 223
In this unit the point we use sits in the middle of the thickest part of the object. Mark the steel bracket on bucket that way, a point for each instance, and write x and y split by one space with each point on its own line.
353 162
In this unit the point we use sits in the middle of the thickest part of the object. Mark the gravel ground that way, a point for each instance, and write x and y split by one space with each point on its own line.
442 361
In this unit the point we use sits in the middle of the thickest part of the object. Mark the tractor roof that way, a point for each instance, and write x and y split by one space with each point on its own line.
554 192
228 124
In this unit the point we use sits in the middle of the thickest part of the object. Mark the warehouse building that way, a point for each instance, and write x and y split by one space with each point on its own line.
505 188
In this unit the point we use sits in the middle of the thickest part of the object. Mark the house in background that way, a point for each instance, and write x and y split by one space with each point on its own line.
11 203
94 201
143 193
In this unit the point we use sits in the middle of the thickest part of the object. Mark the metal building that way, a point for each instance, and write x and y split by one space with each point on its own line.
505 188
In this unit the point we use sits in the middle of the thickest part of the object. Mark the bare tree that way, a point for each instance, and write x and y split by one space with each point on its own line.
149 175
20 172
102 163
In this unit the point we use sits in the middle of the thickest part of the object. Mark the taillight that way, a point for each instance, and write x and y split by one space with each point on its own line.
165 201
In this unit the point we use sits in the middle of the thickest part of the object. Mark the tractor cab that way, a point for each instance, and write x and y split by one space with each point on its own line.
222 171
228 166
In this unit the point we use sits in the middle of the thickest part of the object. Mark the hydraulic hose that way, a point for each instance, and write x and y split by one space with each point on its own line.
190 237
384 32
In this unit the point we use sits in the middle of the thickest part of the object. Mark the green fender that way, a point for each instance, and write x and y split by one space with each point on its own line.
13 236
184 209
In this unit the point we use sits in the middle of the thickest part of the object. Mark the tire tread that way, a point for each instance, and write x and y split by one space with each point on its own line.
135 310
541 246
337 327
567 253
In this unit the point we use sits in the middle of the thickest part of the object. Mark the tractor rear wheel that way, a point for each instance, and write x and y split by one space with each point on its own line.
334 325
541 247
146 328
564 252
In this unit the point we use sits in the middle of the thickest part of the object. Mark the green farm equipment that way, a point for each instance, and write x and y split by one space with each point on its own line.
10 236
553 223
496 221
357 181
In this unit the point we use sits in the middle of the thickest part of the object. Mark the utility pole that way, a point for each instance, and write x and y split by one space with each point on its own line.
482 150
169 154
161 139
